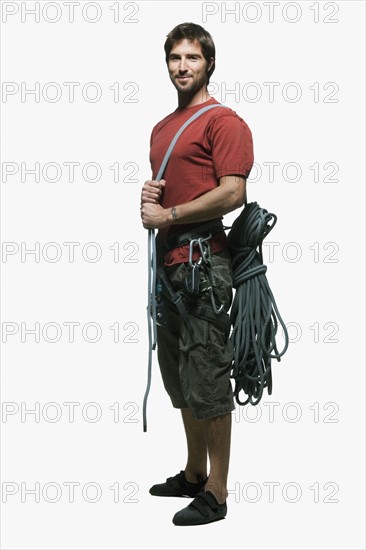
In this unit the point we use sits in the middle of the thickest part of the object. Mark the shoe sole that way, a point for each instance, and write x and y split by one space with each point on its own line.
179 496
212 520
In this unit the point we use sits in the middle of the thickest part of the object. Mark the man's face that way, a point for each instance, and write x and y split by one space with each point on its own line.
187 66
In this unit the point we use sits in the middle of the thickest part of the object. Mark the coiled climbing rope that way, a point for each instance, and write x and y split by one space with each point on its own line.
254 314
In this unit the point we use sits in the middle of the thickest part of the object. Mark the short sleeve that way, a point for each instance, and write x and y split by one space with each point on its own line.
232 146
151 141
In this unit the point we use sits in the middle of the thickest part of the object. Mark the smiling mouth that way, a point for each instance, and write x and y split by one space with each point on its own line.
183 77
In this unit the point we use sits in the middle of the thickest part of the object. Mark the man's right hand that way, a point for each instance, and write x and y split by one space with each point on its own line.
151 191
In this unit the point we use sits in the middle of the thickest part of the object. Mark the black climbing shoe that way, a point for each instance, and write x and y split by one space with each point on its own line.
203 509
177 486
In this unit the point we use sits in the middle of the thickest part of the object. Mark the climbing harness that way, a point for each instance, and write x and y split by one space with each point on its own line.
176 297
253 312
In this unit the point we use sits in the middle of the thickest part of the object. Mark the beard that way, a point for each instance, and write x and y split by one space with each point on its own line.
191 86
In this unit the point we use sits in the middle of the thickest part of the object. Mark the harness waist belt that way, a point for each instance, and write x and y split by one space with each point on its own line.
204 230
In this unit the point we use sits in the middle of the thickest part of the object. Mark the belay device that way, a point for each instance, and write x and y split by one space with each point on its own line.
253 311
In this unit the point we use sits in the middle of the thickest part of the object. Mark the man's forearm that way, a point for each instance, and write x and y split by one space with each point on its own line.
213 204
227 196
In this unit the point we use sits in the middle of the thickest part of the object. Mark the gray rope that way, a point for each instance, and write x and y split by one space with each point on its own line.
254 314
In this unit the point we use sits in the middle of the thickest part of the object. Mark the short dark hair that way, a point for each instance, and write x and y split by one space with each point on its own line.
192 32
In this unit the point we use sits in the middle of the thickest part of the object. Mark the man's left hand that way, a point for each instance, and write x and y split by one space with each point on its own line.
154 216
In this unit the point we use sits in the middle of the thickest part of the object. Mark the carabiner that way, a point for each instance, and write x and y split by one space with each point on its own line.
204 253
219 310
191 245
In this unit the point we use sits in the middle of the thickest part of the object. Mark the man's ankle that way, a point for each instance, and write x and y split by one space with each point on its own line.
194 477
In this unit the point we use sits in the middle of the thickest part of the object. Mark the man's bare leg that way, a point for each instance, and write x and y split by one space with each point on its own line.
218 436
195 429
213 436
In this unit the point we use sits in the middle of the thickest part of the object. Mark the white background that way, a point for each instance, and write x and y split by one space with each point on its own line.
315 437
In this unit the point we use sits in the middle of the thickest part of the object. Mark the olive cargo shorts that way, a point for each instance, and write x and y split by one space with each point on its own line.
195 367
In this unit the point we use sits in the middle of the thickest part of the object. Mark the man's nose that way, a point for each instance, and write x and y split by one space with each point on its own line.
183 64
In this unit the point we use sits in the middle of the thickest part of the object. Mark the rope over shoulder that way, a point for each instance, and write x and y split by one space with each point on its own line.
151 304
254 314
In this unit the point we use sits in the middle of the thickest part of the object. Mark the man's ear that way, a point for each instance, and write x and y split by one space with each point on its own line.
210 63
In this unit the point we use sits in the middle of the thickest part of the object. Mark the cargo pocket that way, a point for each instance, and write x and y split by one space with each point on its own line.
201 385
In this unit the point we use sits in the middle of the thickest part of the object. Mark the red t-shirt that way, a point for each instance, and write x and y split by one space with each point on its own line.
218 143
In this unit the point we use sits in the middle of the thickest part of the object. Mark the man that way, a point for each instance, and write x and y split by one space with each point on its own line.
205 178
